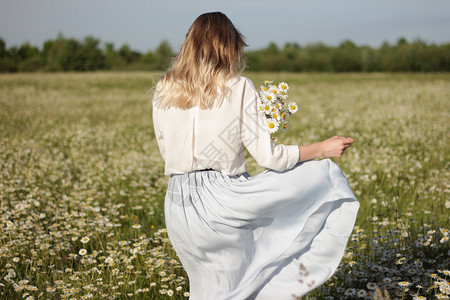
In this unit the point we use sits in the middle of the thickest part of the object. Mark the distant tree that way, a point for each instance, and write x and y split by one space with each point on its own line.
128 55
346 58
90 55
163 55
5 62
112 59
29 58
317 57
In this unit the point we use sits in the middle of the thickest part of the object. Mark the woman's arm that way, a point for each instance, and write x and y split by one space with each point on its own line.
332 147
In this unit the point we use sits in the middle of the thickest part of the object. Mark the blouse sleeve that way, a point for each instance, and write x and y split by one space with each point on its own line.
158 134
257 139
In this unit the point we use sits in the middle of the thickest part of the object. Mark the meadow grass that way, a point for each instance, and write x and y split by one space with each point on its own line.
82 183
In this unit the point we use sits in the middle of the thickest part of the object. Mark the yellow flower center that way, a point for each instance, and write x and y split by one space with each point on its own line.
266 108
292 106
271 125
275 116
283 87
274 91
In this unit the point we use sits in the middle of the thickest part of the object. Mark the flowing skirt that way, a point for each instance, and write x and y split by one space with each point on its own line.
270 236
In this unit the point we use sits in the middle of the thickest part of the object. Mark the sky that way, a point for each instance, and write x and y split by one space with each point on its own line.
144 24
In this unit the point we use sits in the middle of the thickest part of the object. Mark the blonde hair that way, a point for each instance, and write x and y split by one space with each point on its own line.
210 56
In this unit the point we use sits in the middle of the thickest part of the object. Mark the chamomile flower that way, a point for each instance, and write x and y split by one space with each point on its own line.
283 95
293 108
361 293
276 115
109 260
274 106
283 89
269 97
84 240
285 126
265 108
82 251
272 125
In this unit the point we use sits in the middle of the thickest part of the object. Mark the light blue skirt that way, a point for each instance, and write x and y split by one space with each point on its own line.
270 236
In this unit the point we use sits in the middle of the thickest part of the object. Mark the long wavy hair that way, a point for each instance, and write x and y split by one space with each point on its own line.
211 55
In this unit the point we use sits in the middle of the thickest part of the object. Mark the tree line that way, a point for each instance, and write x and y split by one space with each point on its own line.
89 54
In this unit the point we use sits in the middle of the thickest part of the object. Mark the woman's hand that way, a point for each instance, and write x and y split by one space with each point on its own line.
335 146
332 147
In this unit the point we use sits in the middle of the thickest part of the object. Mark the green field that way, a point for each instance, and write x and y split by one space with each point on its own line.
82 184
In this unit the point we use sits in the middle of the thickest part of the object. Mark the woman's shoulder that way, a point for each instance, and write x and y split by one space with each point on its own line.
242 81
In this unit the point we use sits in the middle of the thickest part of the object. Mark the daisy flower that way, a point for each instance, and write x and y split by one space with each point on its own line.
275 115
272 125
350 292
274 90
361 293
82 251
293 108
283 95
265 108
85 240
283 86
269 97
109 260
371 286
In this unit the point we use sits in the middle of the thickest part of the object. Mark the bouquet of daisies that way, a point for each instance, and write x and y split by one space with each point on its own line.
274 105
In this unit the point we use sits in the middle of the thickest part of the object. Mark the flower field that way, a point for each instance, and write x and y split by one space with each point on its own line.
82 184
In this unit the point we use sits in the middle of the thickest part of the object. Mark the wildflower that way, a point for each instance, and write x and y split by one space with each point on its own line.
84 240
404 283
82 251
186 294
272 125
109 260
371 286
293 108
350 292
136 226
361 293
170 293
387 280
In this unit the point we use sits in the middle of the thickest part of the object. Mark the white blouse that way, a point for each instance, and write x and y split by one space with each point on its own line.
196 139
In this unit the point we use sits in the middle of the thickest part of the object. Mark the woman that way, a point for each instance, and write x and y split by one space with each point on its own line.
242 237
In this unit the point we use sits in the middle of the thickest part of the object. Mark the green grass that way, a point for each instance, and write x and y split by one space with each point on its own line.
78 159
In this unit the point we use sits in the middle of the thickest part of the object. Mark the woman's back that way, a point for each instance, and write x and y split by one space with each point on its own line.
197 139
